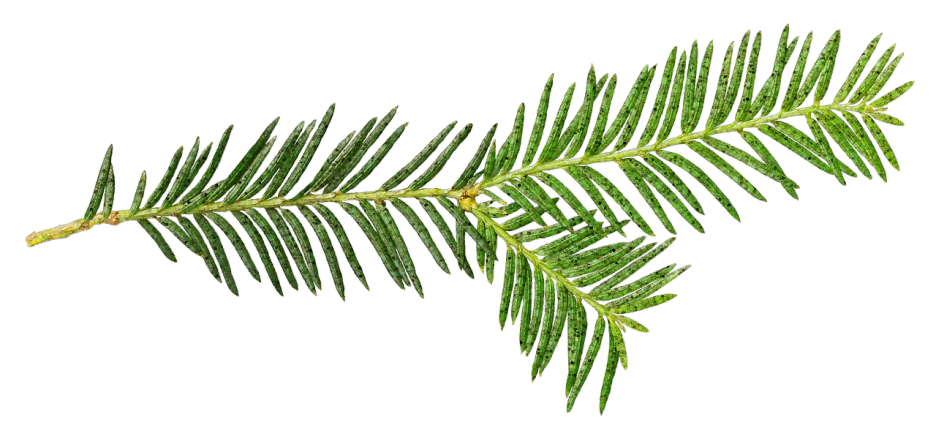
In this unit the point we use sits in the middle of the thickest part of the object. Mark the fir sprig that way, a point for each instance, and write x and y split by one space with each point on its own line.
562 273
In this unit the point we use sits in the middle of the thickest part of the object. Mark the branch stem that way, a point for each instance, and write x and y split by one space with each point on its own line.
681 139
117 217
66 230
540 265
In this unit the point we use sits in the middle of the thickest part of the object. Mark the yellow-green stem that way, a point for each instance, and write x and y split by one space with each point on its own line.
540 265
66 230
681 139
117 217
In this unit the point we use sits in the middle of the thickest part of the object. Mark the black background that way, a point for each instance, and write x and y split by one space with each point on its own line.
831 289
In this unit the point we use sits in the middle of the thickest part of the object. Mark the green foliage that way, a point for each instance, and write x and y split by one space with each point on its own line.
100 184
508 198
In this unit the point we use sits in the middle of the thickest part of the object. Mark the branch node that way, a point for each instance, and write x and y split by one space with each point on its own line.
467 200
